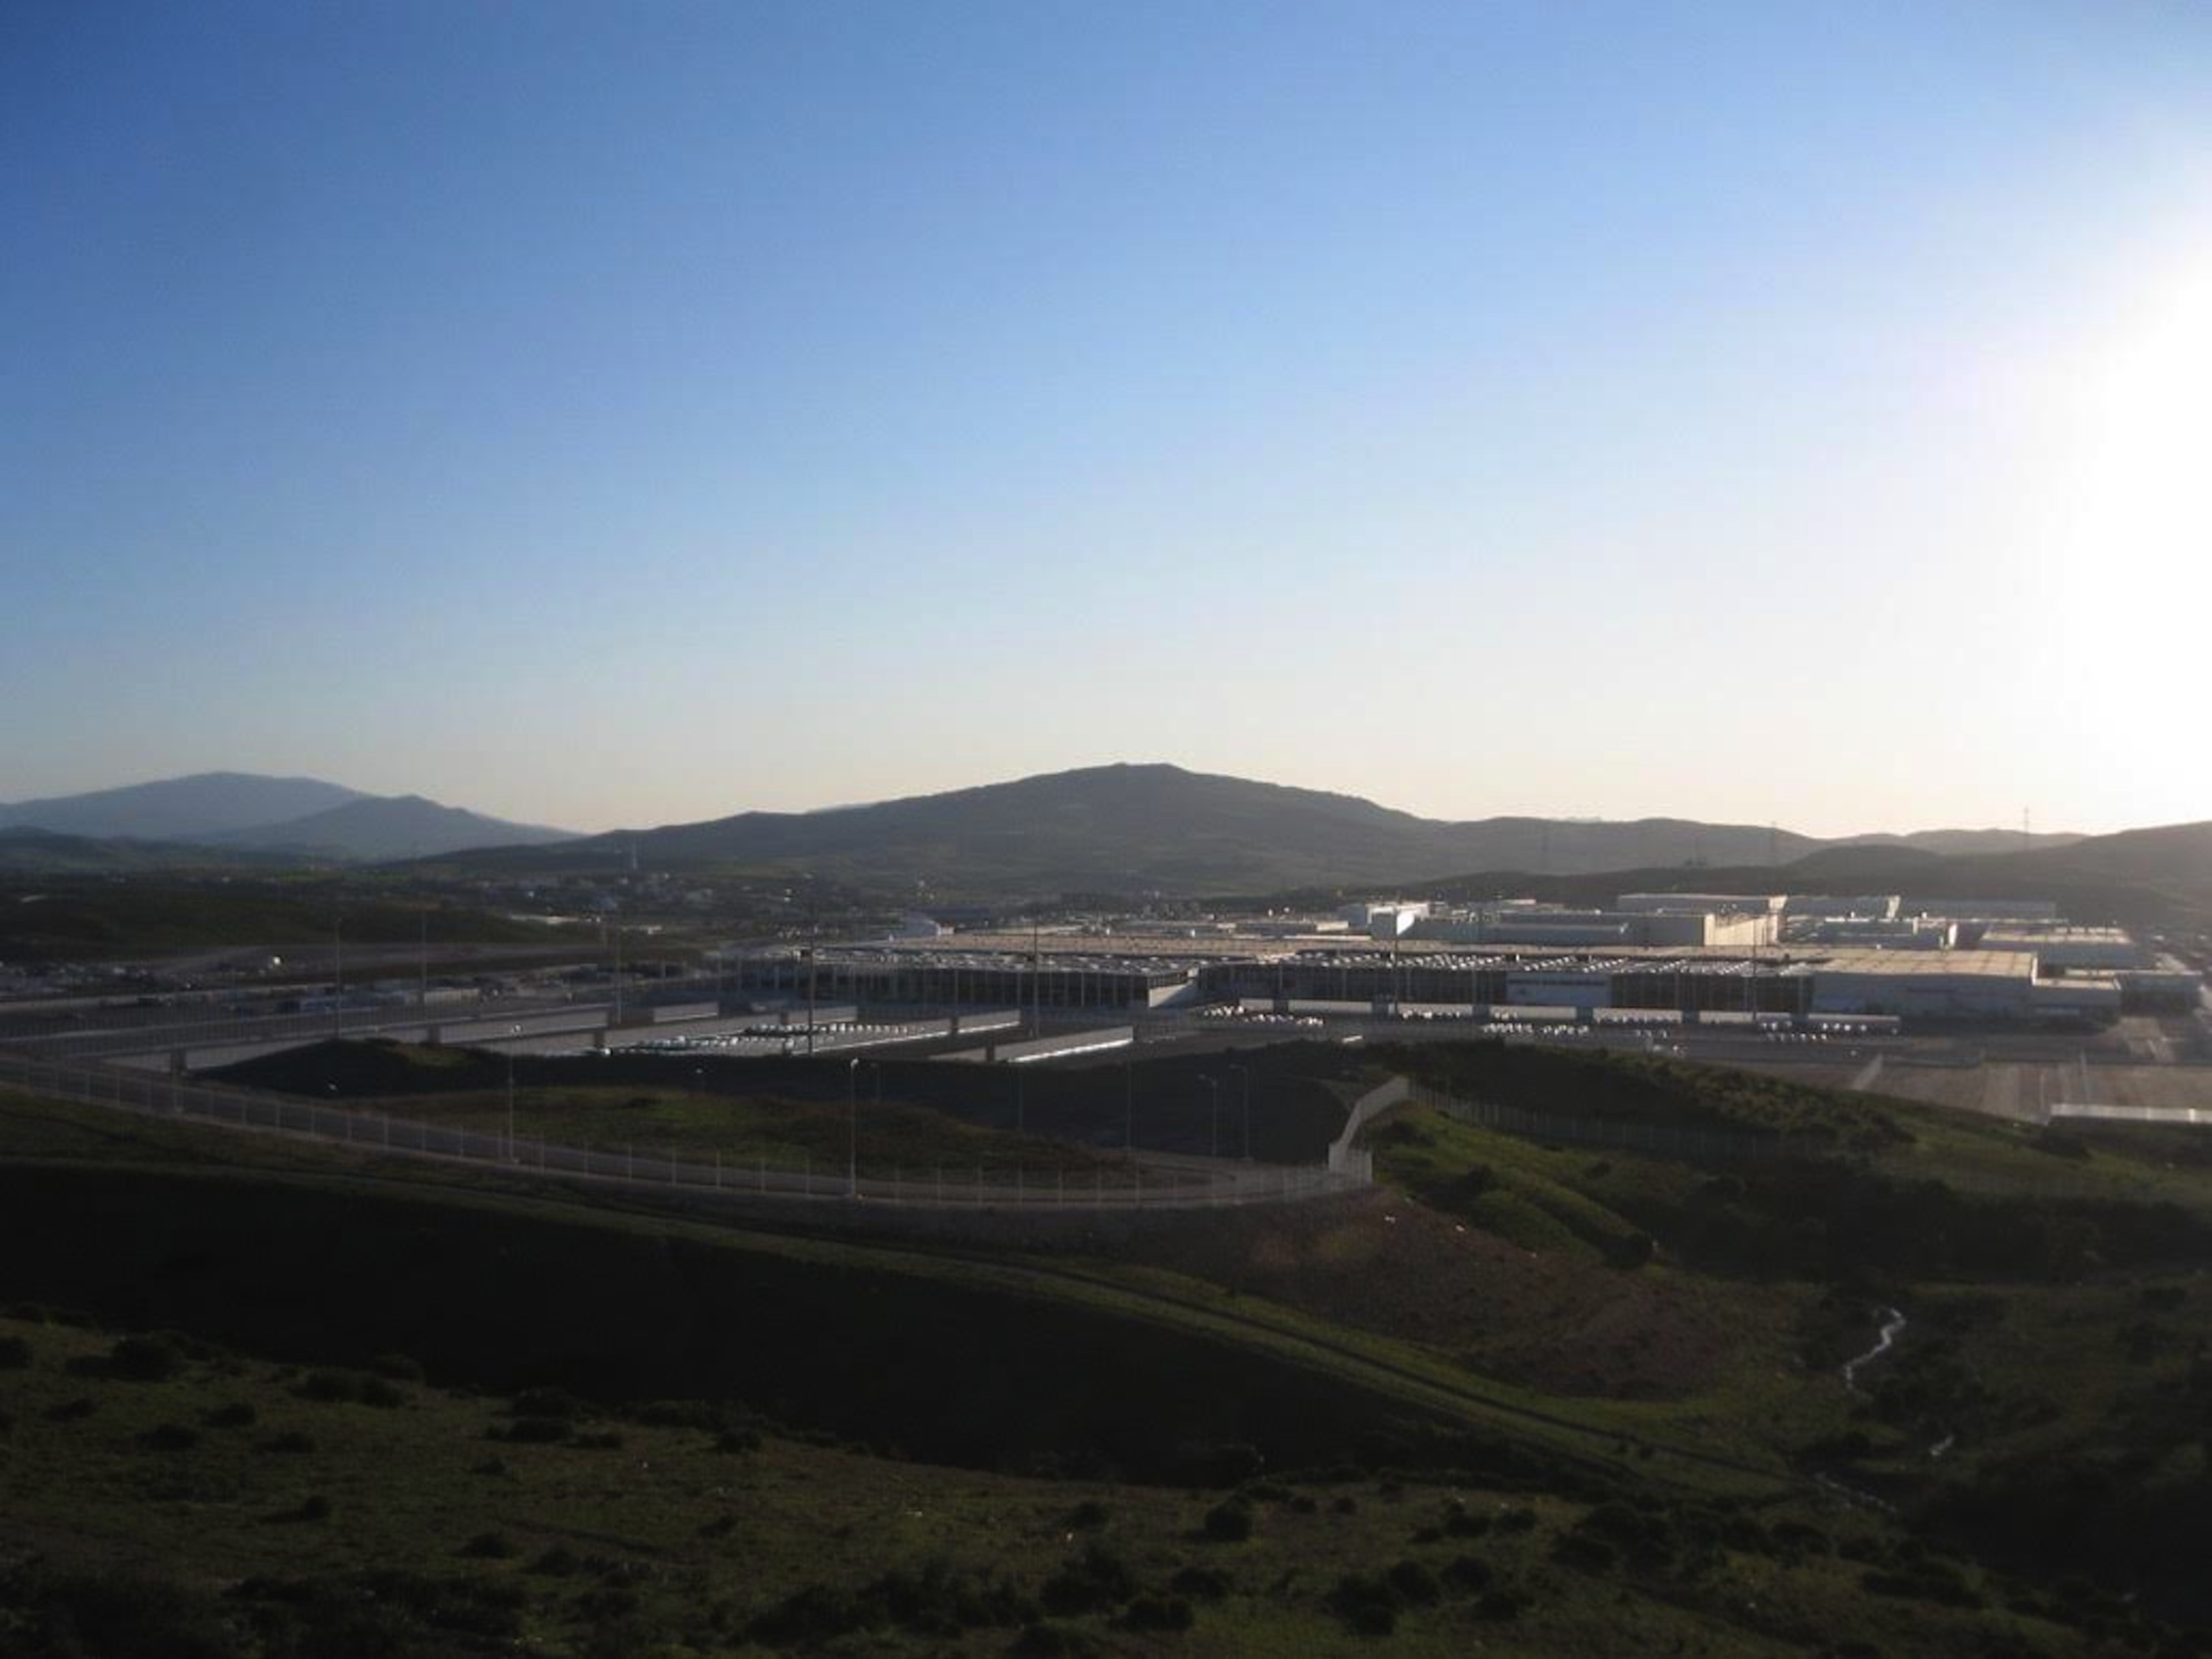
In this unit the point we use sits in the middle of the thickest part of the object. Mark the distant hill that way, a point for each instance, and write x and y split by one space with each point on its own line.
1134 830
1967 841
26 851
242 812
1128 830
377 828
2153 878
180 809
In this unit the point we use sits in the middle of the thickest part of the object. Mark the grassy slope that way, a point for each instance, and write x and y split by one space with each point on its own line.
2045 1403
72 919
1298 1107
1552 1231
144 1158
644 1527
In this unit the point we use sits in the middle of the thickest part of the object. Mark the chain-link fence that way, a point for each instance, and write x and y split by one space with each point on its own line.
1160 1182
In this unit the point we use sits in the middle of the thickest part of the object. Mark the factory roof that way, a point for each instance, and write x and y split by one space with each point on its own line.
925 953
1092 953
1925 964
2033 933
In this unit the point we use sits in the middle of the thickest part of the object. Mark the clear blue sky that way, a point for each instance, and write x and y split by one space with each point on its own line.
625 413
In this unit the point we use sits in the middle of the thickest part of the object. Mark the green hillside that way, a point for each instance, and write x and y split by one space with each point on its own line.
1546 1398
73 918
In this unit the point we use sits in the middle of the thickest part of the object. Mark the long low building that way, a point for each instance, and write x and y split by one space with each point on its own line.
2003 985
940 978
1067 974
2057 945
1927 985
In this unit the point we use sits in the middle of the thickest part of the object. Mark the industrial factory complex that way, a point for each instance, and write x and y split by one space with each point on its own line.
1667 956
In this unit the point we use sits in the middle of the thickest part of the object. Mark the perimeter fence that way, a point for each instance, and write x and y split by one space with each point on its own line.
1104 1181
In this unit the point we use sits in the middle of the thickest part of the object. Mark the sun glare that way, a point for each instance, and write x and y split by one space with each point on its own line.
2144 509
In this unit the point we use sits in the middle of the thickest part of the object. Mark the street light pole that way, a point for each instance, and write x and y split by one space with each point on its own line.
514 1030
852 1128
1214 1086
1244 1082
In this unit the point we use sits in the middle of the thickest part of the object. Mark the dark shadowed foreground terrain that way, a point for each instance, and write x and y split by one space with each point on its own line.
262 1397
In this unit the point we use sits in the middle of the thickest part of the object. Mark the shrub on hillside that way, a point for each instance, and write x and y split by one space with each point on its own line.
335 1387
1500 1606
1465 1576
1201 1583
1460 1522
548 1402
531 1431
1229 1522
145 1359
937 1601
116 1611
1093 1581
1368 1605
1226 1464
1413 1584
15 1354
1159 1613
678 1413
1043 1641
472 1603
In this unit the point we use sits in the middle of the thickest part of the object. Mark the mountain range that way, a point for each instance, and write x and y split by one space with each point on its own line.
243 812
1157 829
1124 830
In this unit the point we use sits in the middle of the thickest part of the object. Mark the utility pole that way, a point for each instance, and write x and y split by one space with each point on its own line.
852 1128
337 972
513 1031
